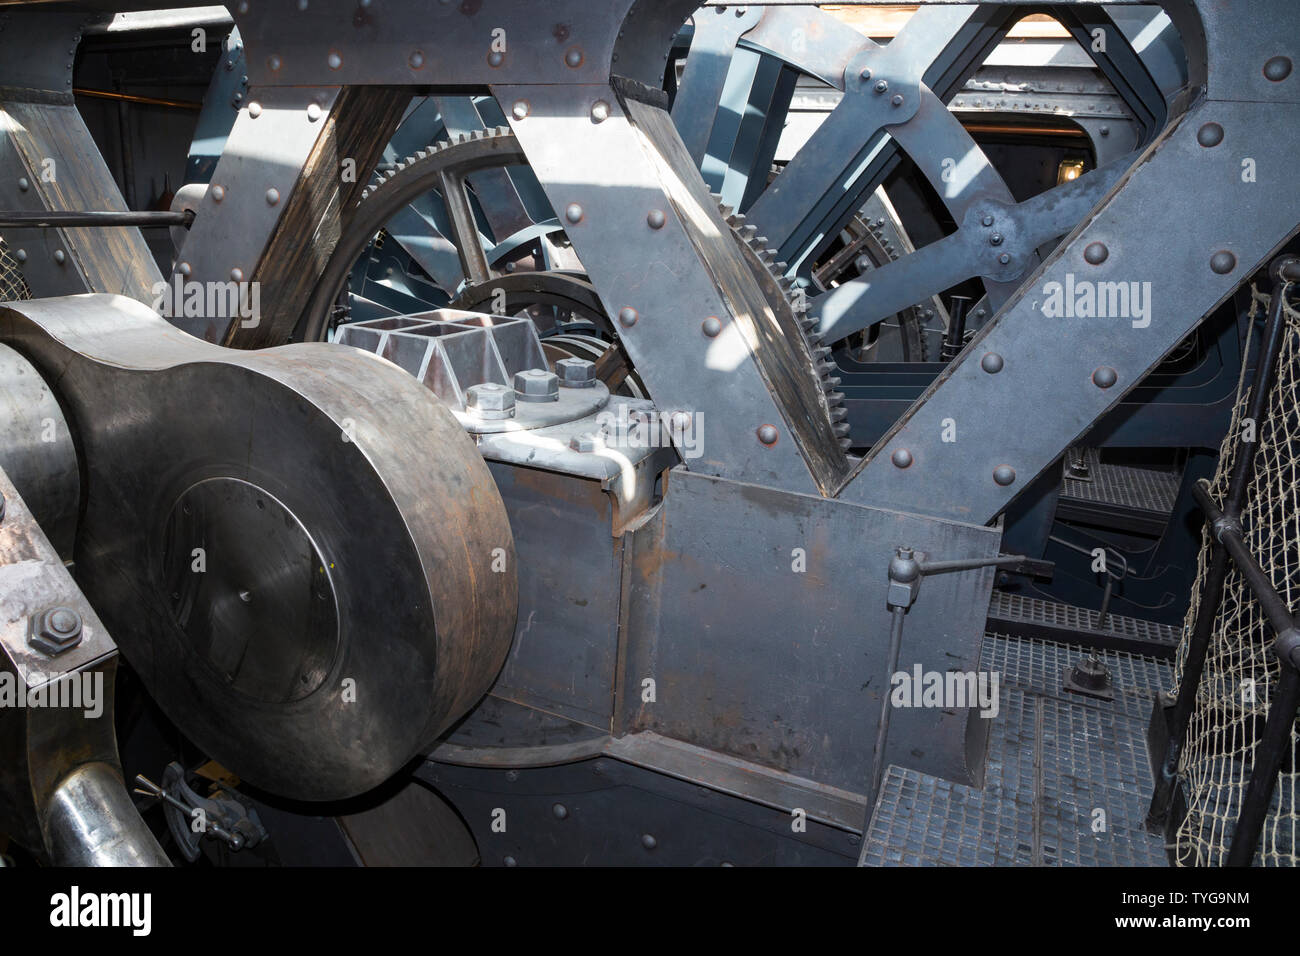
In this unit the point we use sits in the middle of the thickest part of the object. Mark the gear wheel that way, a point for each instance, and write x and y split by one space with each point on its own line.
484 149
783 295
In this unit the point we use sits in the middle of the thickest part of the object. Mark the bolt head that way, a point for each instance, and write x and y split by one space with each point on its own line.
1105 377
991 363
560 811
995 239
902 458
1277 69
1209 135
768 434
519 110
573 212
313 112
897 100
573 58
656 219
537 385
648 841
1096 253
55 630
576 373
599 111
1223 262
416 60
711 326
882 86
1004 475
627 316
491 401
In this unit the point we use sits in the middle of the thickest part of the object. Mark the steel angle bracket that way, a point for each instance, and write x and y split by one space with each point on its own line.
299 550
762 619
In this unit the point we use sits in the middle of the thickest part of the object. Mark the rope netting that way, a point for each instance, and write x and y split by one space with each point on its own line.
1233 697
12 284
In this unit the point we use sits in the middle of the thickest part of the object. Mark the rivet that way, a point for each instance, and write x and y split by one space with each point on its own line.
573 57
1211 134
711 326
237 274
23 184
1277 68
991 363
599 111
218 193
313 112
519 110
627 316
987 220
995 239
243 6
60 256
184 268
272 196
573 213
273 62
254 109
1095 253
334 60
864 74
21 255
416 60
1105 377
496 58
509 861
1004 475
902 458
768 434
656 219
648 841
1005 258
302 4
1223 262
560 811
897 100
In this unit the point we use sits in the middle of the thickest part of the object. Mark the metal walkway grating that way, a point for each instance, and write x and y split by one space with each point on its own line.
1059 767
1032 617
1152 490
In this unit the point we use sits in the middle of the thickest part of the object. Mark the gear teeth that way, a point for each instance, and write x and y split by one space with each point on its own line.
833 381
809 326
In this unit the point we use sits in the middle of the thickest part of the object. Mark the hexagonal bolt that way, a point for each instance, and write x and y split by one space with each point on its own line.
55 630
537 385
490 401
576 373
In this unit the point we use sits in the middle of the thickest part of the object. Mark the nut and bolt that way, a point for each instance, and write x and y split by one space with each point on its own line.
55 630
490 401
576 373
537 385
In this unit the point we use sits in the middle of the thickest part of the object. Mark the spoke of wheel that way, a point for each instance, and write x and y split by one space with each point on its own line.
860 303
473 260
